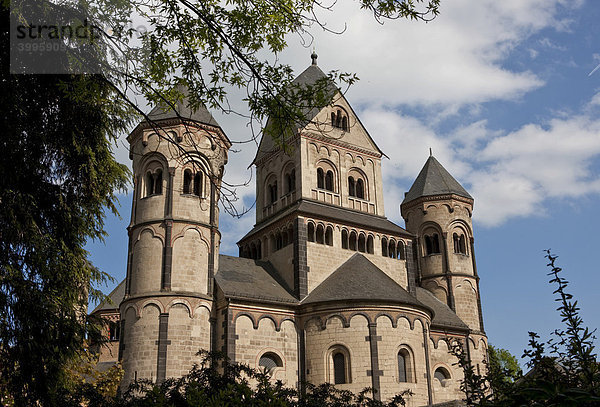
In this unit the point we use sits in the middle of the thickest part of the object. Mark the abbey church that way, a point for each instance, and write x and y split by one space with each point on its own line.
325 288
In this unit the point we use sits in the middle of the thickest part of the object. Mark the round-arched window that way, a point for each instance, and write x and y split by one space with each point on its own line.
270 361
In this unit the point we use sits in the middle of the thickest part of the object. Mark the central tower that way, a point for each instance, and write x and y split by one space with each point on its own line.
178 160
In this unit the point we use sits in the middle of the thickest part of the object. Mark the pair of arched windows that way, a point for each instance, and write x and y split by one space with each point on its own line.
356 188
392 249
320 234
325 179
460 245
192 183
114 331
339 120
254 251
432 244
357 242
282 238
153 181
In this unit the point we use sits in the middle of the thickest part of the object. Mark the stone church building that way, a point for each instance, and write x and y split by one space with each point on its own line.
325 288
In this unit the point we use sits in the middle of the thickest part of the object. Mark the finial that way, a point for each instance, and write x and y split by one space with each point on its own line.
430 152
314 57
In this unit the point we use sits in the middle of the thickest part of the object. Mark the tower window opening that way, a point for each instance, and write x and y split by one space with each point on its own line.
345 123
187 181
329 180
384 247
320 178
284 238
360 189
192 183
432 244
290 233
114 331
459 243
154 182
351 186
392 249
370 248
320 234
311 232
329 236
278 241
290 181
362 245
198 184
338 119
352 242
344 239
400 251
273 192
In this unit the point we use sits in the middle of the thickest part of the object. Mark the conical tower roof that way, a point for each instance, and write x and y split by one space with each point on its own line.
163 111
433 180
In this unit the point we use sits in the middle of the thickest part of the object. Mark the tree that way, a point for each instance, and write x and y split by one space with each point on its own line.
503 369
58 178
568 374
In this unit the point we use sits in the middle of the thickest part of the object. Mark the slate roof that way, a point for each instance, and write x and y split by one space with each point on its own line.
164 111
116 297
251 279
359 279
434 179
443 316
344 215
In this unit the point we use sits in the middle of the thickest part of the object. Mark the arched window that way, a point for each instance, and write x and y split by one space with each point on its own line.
436 243
339 365
278 241
370 248
320 178
352 242
269 361
339 119
149 184
462 244
320 234
428 245
311 232
384 247
290 181
258 250
405 365
339 368
198 184
345 123
284 239
441 375
329 236
362 244
344 239
456 243
273 192
273 243
114 331
432 244
187 182
351 186
158 182
360 189
329 181
290 233
392 250
400 251
333 119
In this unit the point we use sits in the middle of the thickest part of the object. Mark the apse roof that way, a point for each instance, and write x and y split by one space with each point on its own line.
116 296
443 316
434 179
360 280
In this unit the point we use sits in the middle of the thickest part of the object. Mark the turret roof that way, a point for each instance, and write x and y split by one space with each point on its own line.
434 179
181 109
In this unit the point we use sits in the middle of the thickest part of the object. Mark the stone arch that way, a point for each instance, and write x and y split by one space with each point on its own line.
145 269
354 175
317 321
181 301
190 261
388 316
247 315
327 166
131 306
357 314
344 321
270 318
405 318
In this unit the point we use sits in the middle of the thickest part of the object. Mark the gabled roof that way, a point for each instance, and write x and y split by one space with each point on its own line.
360 280
443 316
116 296
251 279
181 109
434 179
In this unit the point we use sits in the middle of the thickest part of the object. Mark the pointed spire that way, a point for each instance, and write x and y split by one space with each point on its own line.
433 180
182 109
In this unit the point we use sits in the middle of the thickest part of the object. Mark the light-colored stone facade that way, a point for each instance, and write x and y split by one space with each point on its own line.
301 298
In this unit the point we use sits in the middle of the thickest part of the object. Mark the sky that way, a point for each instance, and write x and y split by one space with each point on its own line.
501 92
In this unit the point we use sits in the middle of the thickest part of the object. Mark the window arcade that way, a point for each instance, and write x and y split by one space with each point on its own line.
432 244
153 182
459 243
339 120
192 183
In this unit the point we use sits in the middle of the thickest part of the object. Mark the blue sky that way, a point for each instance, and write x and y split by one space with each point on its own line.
500 91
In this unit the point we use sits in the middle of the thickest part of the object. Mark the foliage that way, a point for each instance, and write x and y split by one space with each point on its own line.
216 382
503 369
58 178
564 370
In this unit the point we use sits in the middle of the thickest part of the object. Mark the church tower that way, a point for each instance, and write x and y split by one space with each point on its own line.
437 209
178 160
